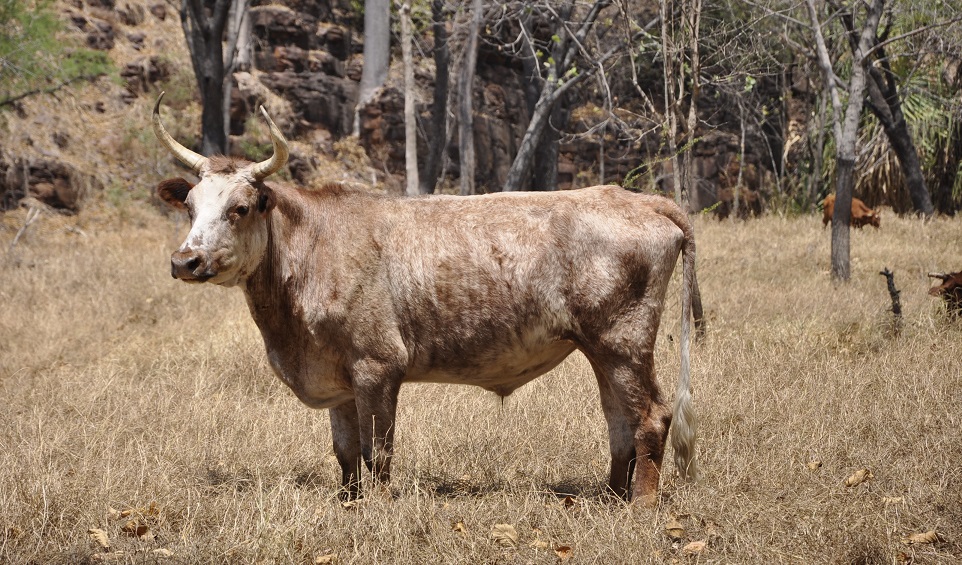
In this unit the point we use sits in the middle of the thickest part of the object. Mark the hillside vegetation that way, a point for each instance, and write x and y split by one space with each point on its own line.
125 390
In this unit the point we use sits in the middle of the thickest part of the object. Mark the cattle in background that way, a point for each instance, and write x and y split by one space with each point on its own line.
861 214
355 294
950 290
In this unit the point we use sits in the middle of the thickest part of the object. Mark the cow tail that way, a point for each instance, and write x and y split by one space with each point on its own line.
684 426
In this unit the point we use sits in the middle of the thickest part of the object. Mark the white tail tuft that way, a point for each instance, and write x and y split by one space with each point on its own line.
684 425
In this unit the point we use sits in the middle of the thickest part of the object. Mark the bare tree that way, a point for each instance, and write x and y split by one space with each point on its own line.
410 120
465 100
691 18
885 102
561 73
437 130
207 26
845 126
377 53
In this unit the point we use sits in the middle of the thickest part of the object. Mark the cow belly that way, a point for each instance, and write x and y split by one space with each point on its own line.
500 372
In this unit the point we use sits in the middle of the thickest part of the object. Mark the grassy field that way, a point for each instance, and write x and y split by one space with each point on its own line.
126 391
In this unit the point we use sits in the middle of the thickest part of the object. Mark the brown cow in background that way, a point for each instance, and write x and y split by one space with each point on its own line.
861 214
950 290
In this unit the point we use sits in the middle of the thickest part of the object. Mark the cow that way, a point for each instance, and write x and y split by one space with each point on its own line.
861 214
950 290
355 293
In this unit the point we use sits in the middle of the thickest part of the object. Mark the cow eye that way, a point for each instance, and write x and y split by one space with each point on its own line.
242 211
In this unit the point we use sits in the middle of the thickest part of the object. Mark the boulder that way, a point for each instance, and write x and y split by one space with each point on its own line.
317 99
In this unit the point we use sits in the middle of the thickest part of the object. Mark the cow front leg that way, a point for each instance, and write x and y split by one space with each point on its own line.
347 448
376 388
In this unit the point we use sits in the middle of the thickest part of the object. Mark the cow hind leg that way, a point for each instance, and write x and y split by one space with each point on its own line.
638 421
620 441
347 448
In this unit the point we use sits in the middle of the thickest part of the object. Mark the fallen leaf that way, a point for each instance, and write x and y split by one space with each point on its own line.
694 547
329 558
930 536
114 514
135 528
538 544
125 513
893 499
814 465
563 552
100 537
504 535
674 529
568 501
459 527
162 552
859 477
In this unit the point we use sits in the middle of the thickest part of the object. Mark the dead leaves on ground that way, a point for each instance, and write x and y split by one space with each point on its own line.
676 532
859 477
100 538
504 535
136 523
930 536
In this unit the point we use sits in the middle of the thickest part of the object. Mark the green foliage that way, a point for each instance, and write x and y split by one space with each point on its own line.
32 54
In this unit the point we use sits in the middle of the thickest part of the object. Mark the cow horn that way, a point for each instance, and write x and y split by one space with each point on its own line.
193 160
266 168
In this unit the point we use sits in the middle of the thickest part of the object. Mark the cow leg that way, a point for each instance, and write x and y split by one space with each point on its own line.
347 447
620 440
376 391
645 417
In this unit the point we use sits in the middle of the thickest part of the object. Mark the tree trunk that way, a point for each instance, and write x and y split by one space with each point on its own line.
437 138
204 35
377 53
689 182
844 179
846 131
466 101
410 120
532 137
886 104
546 155
671 98
212 63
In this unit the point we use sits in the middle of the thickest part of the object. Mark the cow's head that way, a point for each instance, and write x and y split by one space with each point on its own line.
228 210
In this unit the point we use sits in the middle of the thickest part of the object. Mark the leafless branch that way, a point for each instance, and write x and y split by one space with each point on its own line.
32 216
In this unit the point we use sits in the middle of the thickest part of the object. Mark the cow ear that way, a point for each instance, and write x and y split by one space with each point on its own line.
174 192
265 199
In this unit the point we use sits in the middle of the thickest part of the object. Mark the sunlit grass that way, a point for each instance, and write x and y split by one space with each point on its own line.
122 388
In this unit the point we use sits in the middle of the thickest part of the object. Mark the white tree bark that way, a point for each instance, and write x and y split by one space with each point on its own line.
377 53
465 101
845 127
410 120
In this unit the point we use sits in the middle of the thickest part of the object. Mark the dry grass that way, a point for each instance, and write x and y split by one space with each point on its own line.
124 389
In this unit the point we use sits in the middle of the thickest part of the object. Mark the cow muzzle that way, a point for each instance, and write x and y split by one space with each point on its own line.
191 265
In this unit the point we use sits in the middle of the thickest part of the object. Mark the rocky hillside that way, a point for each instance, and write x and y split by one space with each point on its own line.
94 138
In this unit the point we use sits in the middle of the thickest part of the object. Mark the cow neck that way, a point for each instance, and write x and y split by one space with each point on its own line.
268 289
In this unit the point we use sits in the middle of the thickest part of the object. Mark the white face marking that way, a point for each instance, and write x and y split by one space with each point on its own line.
226 225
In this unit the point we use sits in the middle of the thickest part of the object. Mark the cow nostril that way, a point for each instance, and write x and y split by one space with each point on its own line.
193 263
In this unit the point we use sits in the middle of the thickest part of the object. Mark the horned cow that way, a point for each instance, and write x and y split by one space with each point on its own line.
356 293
